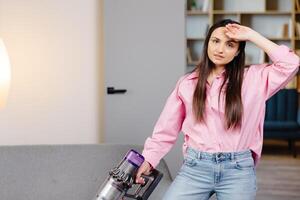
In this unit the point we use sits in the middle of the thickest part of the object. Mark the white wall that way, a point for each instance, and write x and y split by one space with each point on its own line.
56 71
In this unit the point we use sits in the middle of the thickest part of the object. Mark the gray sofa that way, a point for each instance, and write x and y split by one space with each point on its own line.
62 172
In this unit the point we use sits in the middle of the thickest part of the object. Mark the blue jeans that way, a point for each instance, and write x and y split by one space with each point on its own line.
231 176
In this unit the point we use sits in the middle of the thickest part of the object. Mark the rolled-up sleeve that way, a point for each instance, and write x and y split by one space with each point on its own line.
280 72
167 128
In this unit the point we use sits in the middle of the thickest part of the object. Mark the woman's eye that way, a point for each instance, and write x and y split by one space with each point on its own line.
215 41
230 45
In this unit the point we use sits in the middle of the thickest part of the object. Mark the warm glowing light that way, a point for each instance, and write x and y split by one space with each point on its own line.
5 74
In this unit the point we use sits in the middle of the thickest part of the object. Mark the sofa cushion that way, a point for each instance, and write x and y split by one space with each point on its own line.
281 126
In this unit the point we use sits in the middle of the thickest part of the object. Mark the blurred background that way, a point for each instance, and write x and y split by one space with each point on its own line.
100 71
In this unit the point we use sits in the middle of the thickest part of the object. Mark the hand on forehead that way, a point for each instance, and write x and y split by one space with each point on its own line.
221 34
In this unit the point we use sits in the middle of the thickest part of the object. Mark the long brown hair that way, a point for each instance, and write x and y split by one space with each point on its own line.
233 80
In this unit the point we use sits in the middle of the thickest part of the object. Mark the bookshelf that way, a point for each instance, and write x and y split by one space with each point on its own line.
278 20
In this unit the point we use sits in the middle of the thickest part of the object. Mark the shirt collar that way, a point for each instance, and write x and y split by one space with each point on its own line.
221 73
193 75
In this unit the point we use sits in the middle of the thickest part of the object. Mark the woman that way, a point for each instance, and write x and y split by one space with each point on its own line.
220 109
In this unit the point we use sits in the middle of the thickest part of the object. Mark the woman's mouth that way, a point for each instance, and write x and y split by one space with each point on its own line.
218 57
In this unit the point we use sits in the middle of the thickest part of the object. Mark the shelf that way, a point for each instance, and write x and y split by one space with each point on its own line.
275 19
196 12
196 38
251 13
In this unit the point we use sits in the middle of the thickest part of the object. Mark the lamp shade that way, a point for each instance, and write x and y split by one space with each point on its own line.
5 74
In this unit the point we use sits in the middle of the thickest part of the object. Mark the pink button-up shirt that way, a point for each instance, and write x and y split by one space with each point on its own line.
260 83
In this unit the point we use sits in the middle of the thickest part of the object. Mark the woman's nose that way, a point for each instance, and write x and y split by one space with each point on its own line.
220 48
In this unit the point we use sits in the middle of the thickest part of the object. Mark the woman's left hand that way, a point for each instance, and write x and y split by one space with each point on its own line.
239 32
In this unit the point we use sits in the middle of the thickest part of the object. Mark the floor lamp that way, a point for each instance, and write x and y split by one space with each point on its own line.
5 74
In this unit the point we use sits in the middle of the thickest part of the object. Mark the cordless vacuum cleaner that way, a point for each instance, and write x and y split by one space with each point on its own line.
121 180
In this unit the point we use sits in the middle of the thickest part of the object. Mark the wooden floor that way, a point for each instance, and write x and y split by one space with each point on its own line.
278 173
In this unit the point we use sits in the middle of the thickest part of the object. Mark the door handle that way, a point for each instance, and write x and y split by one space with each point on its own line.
112 90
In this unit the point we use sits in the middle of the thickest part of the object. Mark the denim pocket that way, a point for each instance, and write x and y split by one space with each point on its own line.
189 161
244 163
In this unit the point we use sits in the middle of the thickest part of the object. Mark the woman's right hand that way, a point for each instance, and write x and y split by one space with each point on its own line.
145 169
239 32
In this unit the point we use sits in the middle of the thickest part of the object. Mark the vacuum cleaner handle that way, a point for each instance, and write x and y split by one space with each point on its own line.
144 190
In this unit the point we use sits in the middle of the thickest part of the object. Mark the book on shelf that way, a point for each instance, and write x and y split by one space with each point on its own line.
297 27
297 5
189 55
297 51
285 30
